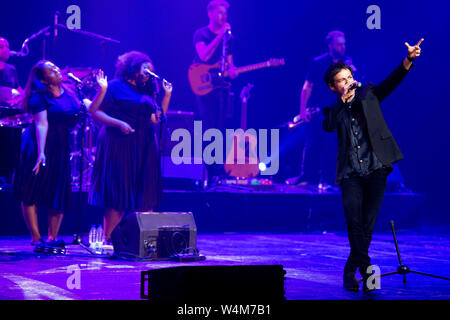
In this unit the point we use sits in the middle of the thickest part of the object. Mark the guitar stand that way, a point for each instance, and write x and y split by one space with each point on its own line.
403 269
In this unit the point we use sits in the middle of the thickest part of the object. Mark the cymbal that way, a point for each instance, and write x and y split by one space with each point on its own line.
7 110
17 121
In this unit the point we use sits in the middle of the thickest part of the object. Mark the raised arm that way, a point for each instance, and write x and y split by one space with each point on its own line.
388 85
102 81
168 87
106 119
204 51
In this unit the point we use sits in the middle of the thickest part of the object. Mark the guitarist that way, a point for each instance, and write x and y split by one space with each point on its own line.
210 42
316 165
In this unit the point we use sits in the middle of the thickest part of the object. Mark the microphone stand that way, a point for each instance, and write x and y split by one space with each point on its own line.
77 240
223 58
163 123
403 269
24 51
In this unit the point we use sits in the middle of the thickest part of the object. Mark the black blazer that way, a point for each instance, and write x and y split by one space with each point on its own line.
381 139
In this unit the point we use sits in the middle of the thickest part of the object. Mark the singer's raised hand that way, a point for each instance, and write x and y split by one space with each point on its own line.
413 51
102 80
167 86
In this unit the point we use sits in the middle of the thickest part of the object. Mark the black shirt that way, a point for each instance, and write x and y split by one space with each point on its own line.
321 95
207 36
362 159
8 77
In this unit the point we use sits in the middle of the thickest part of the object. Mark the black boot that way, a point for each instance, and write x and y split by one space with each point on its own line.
365 276
350 282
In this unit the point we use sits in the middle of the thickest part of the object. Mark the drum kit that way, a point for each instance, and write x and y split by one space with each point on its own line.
14 119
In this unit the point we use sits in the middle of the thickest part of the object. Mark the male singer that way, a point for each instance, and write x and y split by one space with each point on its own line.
366 152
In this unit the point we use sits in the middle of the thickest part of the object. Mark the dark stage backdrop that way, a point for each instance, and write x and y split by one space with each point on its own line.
417 112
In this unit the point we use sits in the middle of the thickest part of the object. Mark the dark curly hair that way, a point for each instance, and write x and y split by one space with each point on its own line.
129 63
333 70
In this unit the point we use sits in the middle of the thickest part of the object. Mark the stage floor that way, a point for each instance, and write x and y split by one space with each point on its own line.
313 265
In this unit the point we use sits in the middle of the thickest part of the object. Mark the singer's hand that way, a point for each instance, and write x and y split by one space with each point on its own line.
40 161
224 29
414 51
156 117
102 80
232 72
125 128
348 91
305 115
167 86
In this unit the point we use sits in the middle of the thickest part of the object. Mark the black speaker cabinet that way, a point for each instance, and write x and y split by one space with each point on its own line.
154 235
214 283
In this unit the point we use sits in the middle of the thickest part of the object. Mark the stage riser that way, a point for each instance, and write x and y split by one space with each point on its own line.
274 212
238 212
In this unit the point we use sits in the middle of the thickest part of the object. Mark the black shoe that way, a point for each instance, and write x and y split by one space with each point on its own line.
350 282
38 241
56 243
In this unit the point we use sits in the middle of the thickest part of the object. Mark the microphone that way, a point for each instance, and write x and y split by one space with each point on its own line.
355 85
74 78
148 72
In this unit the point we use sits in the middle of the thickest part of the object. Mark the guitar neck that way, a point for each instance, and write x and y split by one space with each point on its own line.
244 115
253 67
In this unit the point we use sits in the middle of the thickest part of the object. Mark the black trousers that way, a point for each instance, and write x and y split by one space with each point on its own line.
213 110
362 198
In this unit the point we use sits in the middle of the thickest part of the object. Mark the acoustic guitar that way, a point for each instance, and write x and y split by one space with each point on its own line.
242 160
204 78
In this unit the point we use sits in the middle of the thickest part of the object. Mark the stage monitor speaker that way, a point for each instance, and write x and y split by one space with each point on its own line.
155 235
261 283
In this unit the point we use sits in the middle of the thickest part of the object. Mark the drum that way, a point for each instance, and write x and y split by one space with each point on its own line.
17 121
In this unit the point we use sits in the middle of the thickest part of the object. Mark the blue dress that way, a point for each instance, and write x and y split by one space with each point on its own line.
126 174
51 187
